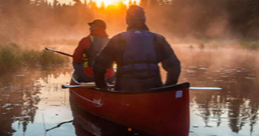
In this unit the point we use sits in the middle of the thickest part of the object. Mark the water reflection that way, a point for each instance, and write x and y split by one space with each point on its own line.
237 104
32 101
20 97
18 103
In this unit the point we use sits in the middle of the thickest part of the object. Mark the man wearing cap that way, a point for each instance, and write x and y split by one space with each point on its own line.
137 53
87 50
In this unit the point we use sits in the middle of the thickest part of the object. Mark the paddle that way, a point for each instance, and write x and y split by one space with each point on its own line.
79 86
205 88
59 52
92 85
84 85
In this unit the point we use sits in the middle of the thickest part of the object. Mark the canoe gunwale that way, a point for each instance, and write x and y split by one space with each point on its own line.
152 90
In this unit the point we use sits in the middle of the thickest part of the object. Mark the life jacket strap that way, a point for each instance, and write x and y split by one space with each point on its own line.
86 58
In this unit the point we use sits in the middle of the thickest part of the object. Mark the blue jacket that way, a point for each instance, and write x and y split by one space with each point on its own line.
115 51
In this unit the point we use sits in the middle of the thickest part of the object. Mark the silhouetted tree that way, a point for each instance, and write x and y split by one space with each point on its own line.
130 2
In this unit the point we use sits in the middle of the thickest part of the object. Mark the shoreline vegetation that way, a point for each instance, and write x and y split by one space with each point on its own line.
13 58
251 45
36 20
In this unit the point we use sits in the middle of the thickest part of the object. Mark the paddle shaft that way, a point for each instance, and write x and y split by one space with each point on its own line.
59 52
78 86
205 88
93 86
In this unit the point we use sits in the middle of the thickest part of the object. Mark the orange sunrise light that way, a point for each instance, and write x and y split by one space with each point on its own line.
113 2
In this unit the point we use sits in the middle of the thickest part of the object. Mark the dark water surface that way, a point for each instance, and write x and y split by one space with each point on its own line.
32 101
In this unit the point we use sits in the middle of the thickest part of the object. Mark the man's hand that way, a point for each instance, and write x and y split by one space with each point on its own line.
107 88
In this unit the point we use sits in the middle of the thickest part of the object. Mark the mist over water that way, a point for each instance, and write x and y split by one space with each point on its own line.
36 22
205 35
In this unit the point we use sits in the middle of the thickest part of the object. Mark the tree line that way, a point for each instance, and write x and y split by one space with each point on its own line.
26 20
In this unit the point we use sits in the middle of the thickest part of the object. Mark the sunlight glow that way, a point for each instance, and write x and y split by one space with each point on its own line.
107 2
114 2
99 2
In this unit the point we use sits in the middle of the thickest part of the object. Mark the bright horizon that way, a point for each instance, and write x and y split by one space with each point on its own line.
99 2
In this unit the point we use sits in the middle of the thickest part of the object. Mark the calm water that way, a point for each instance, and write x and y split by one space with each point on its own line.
33 104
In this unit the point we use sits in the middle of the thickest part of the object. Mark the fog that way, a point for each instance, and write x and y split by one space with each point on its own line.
38 21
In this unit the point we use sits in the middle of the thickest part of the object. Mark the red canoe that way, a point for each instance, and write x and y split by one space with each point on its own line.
160 111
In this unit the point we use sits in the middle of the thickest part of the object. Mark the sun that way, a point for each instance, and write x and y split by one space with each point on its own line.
107 2
111 2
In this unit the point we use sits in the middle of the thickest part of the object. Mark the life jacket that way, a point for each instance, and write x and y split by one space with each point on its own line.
97 43
140 58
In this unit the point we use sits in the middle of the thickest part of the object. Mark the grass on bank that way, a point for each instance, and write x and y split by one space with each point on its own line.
12 58
254 45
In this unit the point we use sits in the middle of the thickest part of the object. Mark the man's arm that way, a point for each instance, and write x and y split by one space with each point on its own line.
103 61
173 68
79 51
169 60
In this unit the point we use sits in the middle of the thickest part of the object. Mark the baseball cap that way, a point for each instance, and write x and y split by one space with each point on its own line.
98 23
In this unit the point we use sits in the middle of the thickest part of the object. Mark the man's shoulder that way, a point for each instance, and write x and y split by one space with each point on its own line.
120 35
117 36
85 39
159 36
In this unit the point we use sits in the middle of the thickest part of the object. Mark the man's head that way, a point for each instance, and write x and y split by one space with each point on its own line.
97 24
135 14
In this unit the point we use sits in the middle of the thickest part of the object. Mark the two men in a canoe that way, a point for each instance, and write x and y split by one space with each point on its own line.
87 49
137 53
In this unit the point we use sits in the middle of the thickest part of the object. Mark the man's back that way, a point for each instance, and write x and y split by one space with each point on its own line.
137 53
116 50
87 49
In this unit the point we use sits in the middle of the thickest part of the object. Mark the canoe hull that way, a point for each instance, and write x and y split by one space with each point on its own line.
94 125
164 112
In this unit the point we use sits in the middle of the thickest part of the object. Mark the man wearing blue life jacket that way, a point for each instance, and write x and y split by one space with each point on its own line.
137 53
